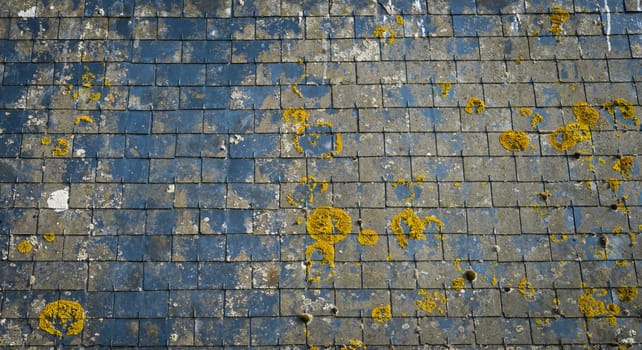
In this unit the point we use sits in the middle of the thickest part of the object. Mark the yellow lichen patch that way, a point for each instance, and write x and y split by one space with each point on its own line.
294 87
45 140
586 114
537 119
380 32
457 184
49 237
543 322
382 313
399 19
94 97
525 287
591 307
561 238
83 118
613 184
445 88
625 107
431 302
415 225
621 262
458 283
514 140
61 148
354 344
632 238
626 294
62 317
475 105
328 224
525 112
457 264
624 166
25 247
493 281
368 237
569 135
613 310
296 115
313 138
327 255
557 17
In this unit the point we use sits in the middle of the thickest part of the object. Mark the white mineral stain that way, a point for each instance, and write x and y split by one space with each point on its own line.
59 200
28 13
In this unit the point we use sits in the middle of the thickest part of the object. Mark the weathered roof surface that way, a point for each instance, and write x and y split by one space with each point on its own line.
202 173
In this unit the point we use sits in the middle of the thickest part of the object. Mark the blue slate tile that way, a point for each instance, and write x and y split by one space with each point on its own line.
10 145
115 276
160 222
224 28
144 248
140 74
227 220
28 73
256 145
170 276
472 25
113 222
123 170
204 97
154 98
100 145
121 28
257 196
150 146
464 6
196 303
228 74
228 121
182 121
14 276
251 50
216 275
198 248
152 51
13 121
204 145
99 304
223 331
79 170
206 52
280 27
155 332
263 303
113 332
12 97
625 23
228 170
118 8
180 74
11 52
211 196
252 247
255 97
151 196
20 170
182 28
131 122
178 170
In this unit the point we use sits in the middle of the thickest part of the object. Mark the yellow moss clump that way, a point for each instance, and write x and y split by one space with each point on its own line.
328 224
626 109
458 283
382 313
380 32
525 287
585 114
431 302
66 314
626 294
368 237
514 140
624 166
445 88
83 118
61 148
475 105
25 247
557 17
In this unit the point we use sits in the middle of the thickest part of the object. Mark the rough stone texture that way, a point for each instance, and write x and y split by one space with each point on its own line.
166 130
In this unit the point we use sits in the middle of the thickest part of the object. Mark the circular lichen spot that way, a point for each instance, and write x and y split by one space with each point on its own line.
514 140
62 317
626 294
382 313
569 135
585 114
415 225
368 237
25 247
475 105
328 224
